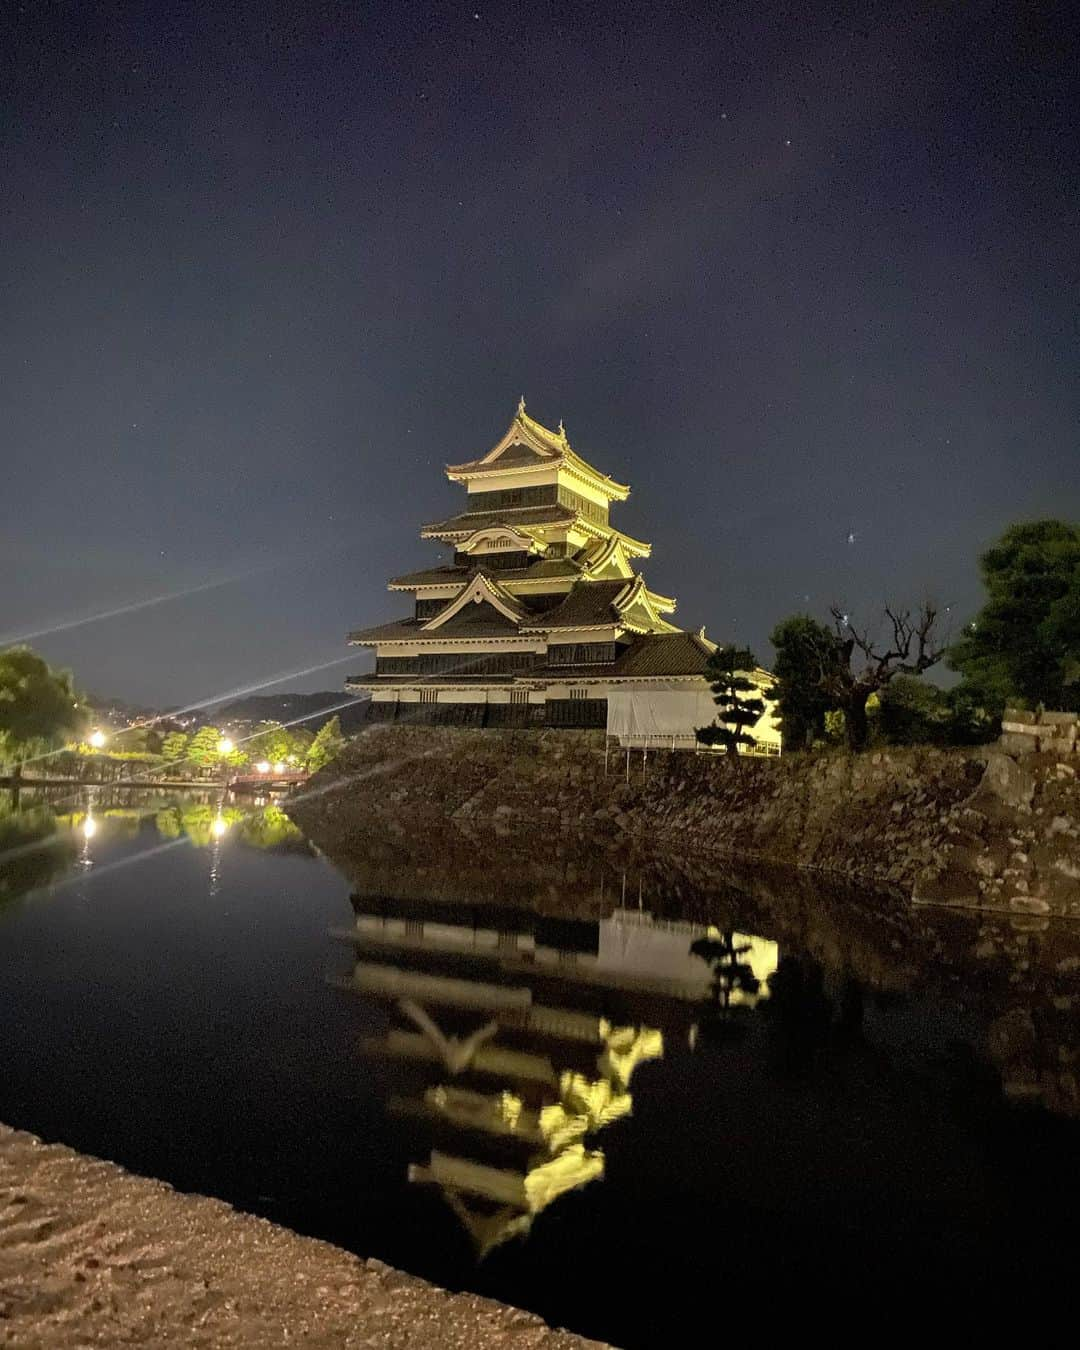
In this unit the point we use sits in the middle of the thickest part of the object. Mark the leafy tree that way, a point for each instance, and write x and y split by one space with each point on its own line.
1024 644
738 700
327 745
1062 632
301 741
805 651
911 711
144 740
278 744
39 710
835 727
969 722
203 750
174 749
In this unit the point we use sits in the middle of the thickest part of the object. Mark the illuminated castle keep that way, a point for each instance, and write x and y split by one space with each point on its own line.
540 619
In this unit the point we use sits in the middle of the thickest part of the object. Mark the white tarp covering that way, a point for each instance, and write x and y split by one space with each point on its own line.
659 717
659 714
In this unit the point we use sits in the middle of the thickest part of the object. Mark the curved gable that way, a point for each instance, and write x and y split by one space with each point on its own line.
498 539
610 562
481 590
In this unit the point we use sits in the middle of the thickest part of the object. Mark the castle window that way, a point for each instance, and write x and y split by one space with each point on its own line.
519 696
429 696
579 693
581 653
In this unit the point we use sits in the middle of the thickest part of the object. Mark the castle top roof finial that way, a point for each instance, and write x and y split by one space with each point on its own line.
521 405
562 430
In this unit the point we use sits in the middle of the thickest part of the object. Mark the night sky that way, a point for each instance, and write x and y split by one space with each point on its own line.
804 275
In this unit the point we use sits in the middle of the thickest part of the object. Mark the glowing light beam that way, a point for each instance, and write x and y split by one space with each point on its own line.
77 877
12 639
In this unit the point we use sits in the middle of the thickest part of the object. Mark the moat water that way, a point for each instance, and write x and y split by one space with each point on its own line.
839 1110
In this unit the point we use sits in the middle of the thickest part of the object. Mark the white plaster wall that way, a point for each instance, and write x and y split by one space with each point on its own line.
523 478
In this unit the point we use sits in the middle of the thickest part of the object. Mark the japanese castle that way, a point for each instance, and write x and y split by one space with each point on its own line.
540 619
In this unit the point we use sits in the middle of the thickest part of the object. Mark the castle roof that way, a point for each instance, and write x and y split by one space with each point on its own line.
664 654
528 443
474 621
626 602
468 522
448 576
589 605
648 656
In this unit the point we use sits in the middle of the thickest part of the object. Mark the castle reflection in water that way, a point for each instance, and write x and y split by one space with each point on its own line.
518 1037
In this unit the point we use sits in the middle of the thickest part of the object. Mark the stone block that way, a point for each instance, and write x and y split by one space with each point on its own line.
1029 904
1058 719
1019 717
1014 744
946 885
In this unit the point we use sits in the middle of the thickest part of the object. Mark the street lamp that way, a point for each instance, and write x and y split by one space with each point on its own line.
225 746
97 739
263 766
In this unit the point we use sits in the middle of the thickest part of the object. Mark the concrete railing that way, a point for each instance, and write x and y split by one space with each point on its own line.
1023 733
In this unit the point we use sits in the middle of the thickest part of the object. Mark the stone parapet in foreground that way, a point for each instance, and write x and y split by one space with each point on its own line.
91 1255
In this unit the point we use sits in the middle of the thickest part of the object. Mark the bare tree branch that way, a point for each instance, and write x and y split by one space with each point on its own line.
851 686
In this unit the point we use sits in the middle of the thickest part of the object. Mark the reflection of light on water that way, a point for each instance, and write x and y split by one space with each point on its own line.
88 829
215 867
219 828
634 943
548 1099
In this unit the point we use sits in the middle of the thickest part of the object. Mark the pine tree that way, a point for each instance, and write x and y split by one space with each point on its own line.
732 691
327 745
1025 642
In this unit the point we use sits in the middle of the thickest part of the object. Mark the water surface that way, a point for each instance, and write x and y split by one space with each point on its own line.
879 1103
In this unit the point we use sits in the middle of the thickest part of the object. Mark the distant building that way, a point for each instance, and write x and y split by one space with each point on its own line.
540 618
